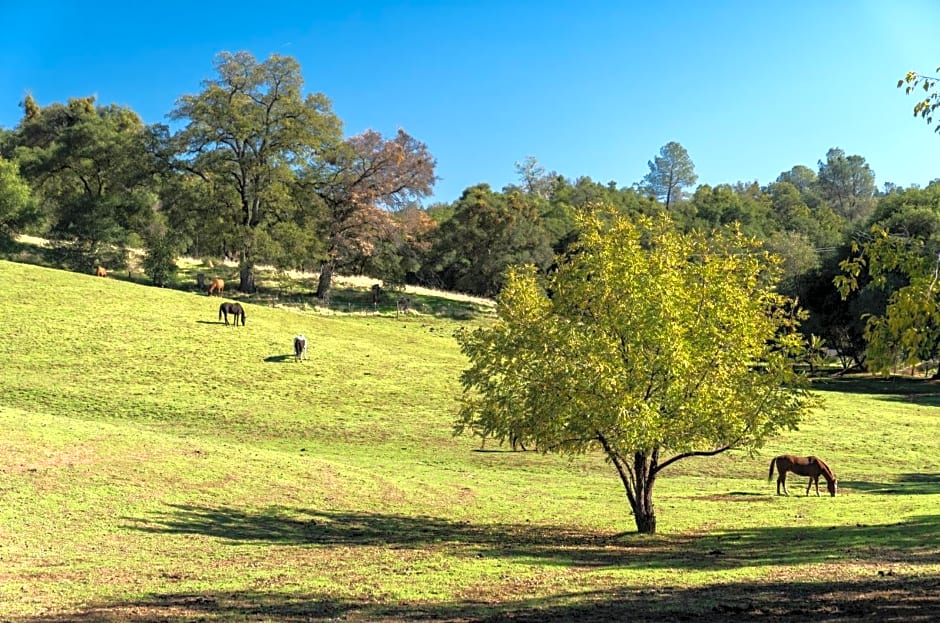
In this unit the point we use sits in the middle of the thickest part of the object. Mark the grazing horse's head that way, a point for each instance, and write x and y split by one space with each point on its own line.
832 485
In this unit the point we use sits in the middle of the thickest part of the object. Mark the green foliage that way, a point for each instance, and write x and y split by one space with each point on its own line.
488 233
644 340
901 260
800 212
670 172
724 204
90 168
847 184
162 245
246 133
924 108
17 208
908 331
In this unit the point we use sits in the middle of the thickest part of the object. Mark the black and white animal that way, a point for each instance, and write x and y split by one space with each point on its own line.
300 347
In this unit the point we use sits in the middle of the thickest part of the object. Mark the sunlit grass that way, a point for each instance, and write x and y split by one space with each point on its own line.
158 465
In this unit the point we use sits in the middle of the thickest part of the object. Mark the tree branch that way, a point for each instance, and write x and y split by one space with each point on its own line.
686 455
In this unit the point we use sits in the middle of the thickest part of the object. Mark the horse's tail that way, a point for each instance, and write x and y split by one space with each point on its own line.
220 310
770 474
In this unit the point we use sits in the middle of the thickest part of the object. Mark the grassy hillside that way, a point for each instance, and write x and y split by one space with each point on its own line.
156 465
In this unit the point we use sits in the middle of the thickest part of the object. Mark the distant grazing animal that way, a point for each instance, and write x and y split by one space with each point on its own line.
811 466
102 271
232 308
217 285
300 347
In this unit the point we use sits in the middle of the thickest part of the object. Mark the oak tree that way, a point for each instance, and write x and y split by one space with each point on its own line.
357 182
89 166
245 135
648 344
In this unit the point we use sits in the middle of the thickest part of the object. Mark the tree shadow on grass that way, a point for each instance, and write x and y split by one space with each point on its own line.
924 392
891 598
879 386
916 541
905 484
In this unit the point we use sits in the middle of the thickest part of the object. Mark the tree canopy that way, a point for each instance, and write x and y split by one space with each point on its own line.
670 172
15 200
90 167
650 344
245 134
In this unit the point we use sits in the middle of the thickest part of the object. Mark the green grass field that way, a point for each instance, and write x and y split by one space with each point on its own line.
156 465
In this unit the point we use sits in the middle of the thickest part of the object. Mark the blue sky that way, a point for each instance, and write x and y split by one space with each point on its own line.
589 88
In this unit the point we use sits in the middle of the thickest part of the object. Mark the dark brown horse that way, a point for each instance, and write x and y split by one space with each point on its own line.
232 308
811 466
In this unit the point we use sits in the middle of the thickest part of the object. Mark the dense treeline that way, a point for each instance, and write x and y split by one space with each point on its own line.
258 171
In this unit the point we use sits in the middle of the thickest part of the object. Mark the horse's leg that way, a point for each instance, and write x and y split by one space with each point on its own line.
782 480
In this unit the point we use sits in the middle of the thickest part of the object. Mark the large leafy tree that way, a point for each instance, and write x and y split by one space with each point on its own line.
246 134
488 232
847 184
648 344
901 258
670 172
356 183
91 171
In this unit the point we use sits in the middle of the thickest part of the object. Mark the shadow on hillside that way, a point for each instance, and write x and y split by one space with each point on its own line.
906 484
880 386
916 541
272 290
280 358
889 598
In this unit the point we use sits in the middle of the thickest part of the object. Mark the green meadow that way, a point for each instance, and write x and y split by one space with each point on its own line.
157 465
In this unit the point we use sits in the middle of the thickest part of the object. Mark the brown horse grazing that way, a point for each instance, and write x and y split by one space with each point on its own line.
101 272
232 308
811 466
217 285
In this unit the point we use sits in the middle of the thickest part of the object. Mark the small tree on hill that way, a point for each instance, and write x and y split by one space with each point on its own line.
648 344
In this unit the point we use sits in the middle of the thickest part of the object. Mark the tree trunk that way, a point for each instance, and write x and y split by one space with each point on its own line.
246 279
638 480
644 475
326 278
643 511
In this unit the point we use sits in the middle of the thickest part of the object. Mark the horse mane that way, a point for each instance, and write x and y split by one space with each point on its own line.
825 469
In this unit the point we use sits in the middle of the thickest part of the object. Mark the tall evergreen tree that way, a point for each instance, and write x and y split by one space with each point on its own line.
670 172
